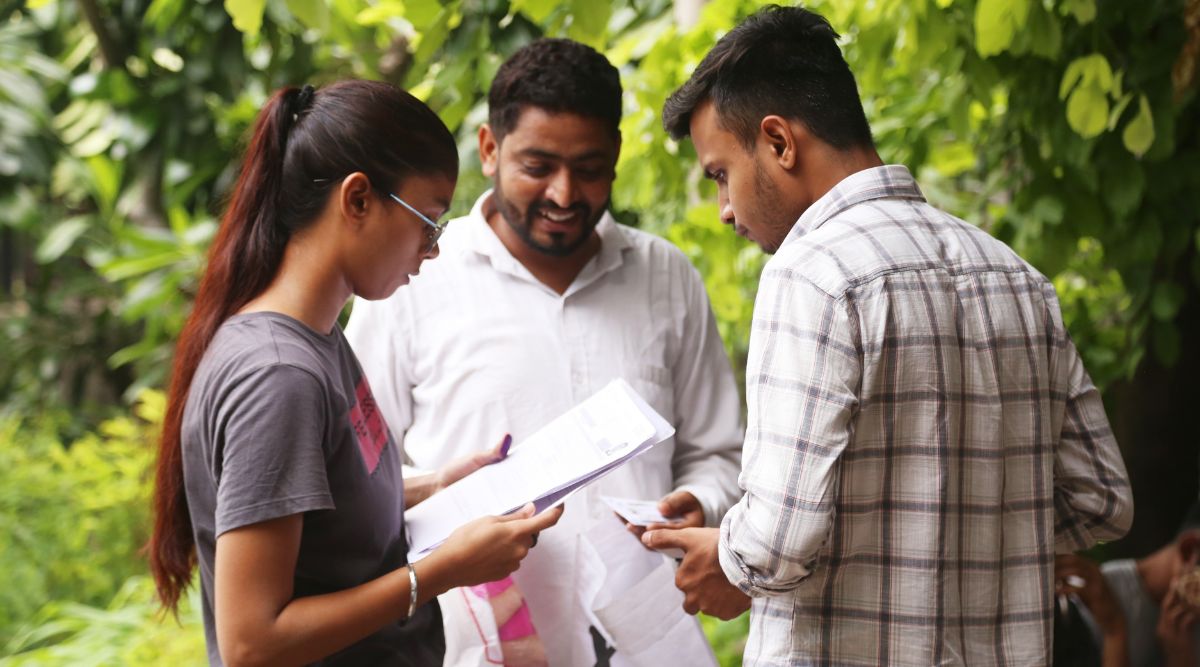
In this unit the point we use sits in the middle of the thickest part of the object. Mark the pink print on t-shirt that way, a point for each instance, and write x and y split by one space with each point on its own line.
368 426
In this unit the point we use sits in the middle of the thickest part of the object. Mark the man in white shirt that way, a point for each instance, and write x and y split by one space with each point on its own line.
538 299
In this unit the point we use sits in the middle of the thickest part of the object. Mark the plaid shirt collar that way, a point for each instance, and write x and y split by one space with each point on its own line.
892 181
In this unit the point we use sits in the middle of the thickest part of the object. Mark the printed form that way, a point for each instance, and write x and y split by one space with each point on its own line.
585 443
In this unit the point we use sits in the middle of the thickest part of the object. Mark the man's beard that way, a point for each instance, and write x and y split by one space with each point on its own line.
769 210
523 227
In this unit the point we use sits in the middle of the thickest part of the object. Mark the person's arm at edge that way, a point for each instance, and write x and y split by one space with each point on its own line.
1092 497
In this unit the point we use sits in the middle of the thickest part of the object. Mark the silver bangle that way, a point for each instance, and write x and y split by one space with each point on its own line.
412 591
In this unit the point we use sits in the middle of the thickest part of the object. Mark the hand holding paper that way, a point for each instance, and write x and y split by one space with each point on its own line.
492 547
574 450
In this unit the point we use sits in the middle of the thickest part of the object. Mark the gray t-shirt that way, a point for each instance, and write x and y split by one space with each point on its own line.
280 421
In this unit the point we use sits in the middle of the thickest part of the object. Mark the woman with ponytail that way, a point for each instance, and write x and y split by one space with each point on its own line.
276 474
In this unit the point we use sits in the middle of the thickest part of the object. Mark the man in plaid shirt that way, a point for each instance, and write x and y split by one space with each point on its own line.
922 436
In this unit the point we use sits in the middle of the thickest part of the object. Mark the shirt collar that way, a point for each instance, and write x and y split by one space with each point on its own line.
892 181
482 240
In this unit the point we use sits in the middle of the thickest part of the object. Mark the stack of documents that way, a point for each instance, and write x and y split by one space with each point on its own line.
579 447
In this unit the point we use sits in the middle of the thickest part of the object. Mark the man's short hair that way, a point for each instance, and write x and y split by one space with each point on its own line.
559 76
780 61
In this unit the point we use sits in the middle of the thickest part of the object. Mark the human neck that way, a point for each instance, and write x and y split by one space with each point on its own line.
554 272
306 287
835 166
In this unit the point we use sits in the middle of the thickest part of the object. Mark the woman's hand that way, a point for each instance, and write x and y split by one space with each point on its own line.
463 466
491 548
419 487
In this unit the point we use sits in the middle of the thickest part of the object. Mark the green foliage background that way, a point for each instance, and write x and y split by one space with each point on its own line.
1067 128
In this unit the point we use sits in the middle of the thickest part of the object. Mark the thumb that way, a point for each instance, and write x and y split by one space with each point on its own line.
676 503
668 539
546 519
527 510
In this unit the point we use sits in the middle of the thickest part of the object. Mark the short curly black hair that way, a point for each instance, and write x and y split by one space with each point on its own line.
783 61
557 75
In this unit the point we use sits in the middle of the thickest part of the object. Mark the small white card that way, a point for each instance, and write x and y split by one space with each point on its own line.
637 512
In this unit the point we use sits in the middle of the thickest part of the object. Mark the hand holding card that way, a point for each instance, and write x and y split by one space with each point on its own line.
642 513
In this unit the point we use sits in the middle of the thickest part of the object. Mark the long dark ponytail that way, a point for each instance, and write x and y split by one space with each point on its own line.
302 144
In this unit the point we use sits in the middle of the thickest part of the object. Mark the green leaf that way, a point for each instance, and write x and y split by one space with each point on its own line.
1118 109
954 159
996 23
1083 10
1138 136
537 10
1044 33
96 142
1087 111
1048 209
312 13
61 238
1166 301
1092 70
106 181
590 21
1071 76
422 13
128 267
247 14
380 13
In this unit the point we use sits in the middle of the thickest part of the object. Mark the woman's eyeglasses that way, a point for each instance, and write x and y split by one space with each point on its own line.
435 230
431 235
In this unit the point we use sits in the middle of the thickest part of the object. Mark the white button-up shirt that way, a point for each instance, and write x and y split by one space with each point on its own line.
477 347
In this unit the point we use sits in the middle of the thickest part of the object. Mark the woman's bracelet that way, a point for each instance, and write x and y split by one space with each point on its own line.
412 591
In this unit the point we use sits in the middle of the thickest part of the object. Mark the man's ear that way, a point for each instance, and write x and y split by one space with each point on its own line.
355 198
780 138
489 150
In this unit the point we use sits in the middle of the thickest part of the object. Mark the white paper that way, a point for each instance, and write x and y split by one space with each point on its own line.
577 448
637 512
631 595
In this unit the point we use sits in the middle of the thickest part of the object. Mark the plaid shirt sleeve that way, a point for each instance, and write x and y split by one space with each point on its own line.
1092 498
803 374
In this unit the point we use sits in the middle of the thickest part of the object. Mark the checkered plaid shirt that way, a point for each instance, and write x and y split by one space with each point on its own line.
922 439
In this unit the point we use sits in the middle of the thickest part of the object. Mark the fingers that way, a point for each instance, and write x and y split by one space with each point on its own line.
526 522
668 539
635 530
677 502
527 510
500 451
547 518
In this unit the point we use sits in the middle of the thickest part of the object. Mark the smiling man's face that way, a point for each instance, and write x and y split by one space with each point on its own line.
553 176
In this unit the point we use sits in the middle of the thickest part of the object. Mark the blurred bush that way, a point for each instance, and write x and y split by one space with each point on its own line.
73 516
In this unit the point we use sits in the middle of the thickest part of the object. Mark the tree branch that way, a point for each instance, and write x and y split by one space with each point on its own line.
110 50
